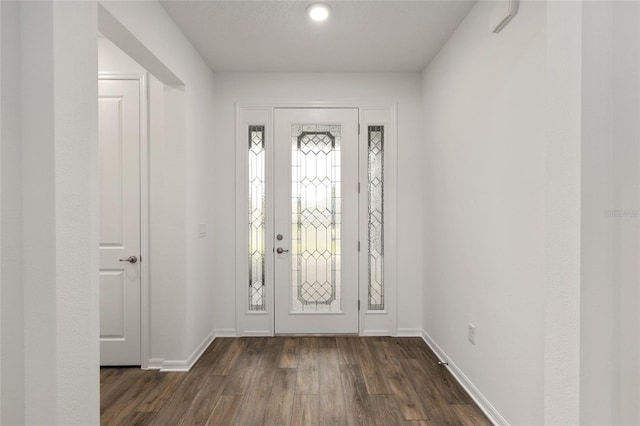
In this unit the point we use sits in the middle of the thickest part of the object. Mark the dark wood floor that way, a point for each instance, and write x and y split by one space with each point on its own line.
294 381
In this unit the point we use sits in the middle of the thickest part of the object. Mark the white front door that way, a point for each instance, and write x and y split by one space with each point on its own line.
119 139
316 220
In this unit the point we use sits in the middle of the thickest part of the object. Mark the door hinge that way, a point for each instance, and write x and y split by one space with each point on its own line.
358 128
358 304
358 245
358 187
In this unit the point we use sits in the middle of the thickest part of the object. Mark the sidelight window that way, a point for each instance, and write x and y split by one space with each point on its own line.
257 209
376 217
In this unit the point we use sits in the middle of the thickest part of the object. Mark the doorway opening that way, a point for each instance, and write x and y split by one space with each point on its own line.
126 298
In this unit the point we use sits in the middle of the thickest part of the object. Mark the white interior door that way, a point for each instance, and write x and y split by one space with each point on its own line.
119 139
316 220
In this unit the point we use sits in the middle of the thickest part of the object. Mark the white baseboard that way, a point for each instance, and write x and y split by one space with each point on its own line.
258 333
376 333
155 364
185 365
482 402
409 332
174 366
225 332
197 353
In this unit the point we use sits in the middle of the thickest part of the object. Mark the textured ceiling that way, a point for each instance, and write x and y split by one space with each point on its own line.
278 36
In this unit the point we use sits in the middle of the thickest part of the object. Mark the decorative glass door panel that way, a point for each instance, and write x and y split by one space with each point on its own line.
316 204
315 225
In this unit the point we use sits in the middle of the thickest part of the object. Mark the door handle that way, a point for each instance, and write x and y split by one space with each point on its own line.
280 250
130 259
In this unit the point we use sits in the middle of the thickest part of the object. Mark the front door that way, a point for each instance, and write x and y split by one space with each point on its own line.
119 140
316 221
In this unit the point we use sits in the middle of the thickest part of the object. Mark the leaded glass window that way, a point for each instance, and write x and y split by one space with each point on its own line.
316 218
257 209
376 217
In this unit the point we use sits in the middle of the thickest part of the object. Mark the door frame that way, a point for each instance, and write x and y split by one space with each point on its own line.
143 81
261 323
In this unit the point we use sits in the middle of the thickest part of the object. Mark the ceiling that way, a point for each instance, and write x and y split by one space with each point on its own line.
391 35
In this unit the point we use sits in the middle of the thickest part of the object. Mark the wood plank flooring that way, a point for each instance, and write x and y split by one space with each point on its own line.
294 381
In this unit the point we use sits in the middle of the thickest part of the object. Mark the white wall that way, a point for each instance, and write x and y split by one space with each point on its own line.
49 214
626 164
181 175
275 88
610 314
485 199
568 305
562 206
11 310
112 60
1 73
598 198
76 213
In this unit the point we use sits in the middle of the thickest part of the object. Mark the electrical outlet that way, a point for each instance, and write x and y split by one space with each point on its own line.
472 333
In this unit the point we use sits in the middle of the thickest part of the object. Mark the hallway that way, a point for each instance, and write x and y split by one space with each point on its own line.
501 225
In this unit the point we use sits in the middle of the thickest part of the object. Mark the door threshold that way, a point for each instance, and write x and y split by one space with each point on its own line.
316 335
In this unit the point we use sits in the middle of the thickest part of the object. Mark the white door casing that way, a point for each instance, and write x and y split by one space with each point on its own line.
119 140
316 213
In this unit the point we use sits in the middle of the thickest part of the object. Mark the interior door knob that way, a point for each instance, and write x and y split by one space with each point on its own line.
280 250
130 259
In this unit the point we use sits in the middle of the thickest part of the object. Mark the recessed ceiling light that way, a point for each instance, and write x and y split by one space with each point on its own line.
318 12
